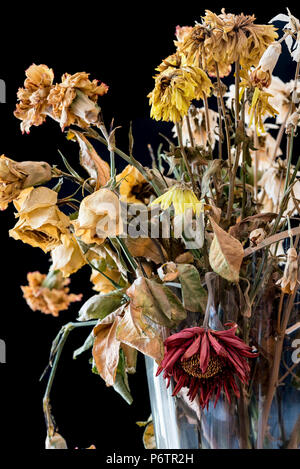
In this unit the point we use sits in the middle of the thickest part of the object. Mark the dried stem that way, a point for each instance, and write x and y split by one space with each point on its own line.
184 155
188 123
66 329
224 117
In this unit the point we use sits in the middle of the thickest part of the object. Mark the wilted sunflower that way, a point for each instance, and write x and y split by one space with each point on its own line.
200 46
176 86
182 198
238 37
133 188
206 362
33 108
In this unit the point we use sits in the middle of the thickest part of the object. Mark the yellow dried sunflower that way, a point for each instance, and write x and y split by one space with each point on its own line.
176 86
239 37
200 45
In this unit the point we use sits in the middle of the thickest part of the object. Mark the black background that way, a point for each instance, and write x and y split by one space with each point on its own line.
120 45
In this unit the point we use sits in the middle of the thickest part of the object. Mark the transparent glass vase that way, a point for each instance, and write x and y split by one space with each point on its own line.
266 416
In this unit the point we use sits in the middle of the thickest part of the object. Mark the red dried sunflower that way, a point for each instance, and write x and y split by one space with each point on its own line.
206 361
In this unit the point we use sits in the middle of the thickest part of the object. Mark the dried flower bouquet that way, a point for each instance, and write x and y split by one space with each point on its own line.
202 248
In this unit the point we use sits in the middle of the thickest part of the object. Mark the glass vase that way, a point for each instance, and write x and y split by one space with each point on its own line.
267 414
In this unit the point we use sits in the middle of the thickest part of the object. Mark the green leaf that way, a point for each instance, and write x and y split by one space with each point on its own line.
88 343
99 306
193 294
69 167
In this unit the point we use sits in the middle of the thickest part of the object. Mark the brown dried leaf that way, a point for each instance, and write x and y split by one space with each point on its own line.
226 254
107 347
97 168
135 330
146 247
242 229
185 258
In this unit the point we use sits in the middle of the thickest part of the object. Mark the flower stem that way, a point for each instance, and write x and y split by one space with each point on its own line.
66 329
188 123
224 117
187 165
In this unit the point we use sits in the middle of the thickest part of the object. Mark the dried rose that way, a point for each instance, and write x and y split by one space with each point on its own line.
40 223
15 176
99 217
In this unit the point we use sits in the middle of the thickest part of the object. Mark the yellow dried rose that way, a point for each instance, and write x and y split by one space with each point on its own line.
40 297
67 257
99 217
15 176
74 100
33 108
40 223
133 188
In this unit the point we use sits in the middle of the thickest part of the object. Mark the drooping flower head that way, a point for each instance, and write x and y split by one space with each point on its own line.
258 100
176 86
200 46
133 188
16 176
74 100
206 362
239 37
182 198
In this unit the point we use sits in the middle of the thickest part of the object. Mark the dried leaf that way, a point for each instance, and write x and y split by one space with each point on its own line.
135 330
193 294
106 349
146 247
213 167
156 302
225 254
55 442
130 355
149 437
242 229
97 168
185 258
99 306
168 272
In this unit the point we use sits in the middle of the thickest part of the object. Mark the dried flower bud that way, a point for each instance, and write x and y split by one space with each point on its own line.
257 236
216 89
262 75
289 280
292 122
